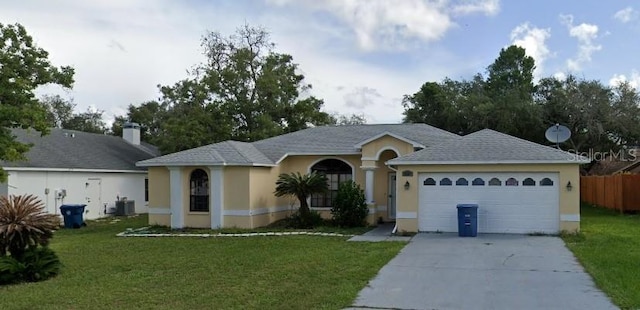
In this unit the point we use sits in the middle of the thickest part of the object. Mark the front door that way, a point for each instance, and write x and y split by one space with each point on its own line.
93 191
392 196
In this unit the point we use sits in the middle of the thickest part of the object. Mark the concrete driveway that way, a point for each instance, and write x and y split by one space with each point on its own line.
444 271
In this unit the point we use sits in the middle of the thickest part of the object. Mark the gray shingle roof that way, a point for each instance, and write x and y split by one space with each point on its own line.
223 153
317 140
70 149
342 139
488 146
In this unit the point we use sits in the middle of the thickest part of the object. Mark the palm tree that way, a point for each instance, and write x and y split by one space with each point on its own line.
24 224
302 187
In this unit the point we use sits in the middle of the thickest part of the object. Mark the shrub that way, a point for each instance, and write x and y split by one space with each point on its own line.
24 224
37 264
302 187
40 264
25 231
298 221
349 207
11 270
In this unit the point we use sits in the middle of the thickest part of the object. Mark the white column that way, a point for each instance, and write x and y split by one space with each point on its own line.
176 189
216 196
368 184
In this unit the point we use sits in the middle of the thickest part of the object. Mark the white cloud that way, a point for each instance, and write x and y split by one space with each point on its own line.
561 76
487 7
362 97
533 40
389 25
586 34
633 79
626 15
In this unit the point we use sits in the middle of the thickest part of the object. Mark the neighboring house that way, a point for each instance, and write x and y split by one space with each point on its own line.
620 162
73 167
413 174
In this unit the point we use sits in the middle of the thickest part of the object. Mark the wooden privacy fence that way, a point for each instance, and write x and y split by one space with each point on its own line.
619 192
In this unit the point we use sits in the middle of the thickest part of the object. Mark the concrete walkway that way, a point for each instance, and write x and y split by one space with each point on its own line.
381 233
444 271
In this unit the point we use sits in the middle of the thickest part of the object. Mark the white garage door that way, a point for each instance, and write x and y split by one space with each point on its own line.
518 202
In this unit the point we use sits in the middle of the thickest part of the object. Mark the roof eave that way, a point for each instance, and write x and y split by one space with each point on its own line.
315 154
360 144
186 164
488 162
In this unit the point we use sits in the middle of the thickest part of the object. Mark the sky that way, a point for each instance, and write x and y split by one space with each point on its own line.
361 56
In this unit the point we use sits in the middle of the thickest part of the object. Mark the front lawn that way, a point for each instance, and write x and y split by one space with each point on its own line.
103 271
609 249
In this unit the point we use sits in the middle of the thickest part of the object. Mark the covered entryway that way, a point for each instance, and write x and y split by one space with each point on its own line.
518 202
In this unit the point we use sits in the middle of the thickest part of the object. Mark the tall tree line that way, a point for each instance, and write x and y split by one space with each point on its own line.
508 100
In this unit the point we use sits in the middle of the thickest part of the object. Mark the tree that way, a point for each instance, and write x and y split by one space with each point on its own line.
246 91
89 121
59 110
301 187
23 68
503 101
510 89
150 115
589 109
353 119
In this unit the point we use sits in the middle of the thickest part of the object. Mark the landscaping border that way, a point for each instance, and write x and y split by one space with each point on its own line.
138 233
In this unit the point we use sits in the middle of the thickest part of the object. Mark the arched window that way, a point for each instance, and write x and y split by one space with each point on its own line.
511 182
445 182
429 182
546 182
495 182
336 171
478 182
528 182
462 181
199 191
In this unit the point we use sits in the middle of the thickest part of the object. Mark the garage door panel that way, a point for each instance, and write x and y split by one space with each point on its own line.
502 209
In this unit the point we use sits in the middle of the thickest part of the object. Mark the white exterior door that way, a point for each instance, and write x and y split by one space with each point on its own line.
93 199
392 196
519 202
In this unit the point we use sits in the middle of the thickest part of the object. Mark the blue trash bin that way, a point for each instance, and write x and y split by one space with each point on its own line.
467 220
72 214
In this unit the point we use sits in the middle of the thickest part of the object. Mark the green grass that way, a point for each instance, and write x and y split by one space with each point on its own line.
103 271
609 249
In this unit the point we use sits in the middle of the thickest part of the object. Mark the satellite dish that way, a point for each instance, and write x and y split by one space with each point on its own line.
558 134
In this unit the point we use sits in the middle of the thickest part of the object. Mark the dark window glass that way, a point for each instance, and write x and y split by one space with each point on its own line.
546 182
146 189
477 182
199 191
528 182
429 182
462 182
336 171
511 182
495 182
445 182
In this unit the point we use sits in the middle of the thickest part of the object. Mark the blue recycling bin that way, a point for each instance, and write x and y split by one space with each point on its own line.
72 215
467 220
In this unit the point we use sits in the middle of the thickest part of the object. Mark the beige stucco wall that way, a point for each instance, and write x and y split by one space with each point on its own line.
375 154
371 149
381 185
569 200
159 196
237 191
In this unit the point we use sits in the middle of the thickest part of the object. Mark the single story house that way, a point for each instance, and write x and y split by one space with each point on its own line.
74 167
413 174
